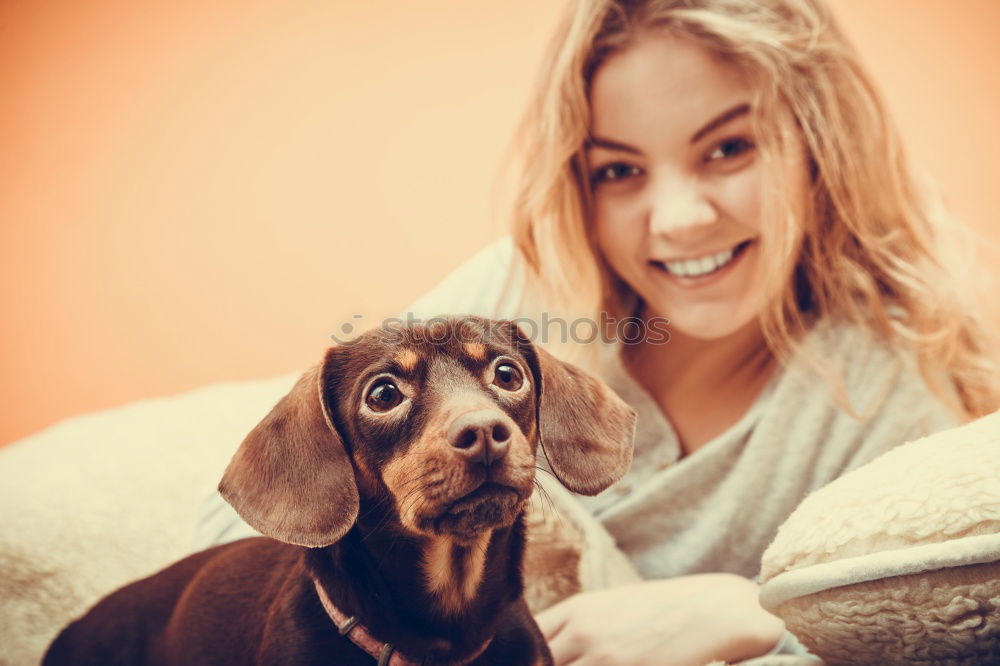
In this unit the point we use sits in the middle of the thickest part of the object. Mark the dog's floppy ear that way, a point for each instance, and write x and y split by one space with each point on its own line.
291 479
587 431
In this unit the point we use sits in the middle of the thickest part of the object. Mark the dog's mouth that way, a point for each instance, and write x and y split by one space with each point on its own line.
489 506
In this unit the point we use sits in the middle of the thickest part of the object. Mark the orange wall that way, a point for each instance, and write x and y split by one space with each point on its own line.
198 191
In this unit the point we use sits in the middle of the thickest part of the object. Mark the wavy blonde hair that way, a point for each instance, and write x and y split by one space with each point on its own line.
873 250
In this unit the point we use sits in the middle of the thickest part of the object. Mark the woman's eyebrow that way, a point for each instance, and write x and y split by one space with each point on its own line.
598 142
721 119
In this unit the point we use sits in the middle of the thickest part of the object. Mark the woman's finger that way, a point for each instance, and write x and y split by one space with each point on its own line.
565 650
552 620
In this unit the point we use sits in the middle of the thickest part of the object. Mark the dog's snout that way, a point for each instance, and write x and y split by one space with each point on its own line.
481 436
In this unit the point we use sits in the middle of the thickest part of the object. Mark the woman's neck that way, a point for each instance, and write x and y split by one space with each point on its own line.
703 386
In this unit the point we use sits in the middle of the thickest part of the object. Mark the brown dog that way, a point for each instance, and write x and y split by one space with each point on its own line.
392 481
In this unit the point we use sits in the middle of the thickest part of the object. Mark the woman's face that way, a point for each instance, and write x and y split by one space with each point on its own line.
677 183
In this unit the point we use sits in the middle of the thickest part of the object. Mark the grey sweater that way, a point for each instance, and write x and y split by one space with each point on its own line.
717 509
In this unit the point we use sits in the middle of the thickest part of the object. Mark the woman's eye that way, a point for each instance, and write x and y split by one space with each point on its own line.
507 377
383 397
613 172
730 148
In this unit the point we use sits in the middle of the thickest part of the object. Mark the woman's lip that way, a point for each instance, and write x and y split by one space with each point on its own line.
739 247
703 280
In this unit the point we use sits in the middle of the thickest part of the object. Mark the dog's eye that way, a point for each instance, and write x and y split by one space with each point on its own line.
507 377
383 397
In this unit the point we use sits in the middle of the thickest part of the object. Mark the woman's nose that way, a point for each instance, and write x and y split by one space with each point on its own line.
679 205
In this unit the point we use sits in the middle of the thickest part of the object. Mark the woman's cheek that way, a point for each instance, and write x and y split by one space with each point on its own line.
740 200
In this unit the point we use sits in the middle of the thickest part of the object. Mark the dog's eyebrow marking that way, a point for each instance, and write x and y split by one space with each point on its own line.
407 360
476 350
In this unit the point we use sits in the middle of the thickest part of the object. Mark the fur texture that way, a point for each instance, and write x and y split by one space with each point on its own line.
898 562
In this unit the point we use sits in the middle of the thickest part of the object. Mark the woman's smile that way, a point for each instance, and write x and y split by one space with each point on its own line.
694 271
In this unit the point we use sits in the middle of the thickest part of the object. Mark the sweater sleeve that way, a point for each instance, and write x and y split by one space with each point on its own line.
873 399
886 389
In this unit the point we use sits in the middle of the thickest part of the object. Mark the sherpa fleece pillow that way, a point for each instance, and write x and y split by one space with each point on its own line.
898 562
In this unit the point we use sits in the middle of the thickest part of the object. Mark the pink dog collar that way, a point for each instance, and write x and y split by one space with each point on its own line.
349 626
384 653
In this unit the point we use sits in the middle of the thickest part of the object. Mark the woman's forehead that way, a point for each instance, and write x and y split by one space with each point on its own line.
661 85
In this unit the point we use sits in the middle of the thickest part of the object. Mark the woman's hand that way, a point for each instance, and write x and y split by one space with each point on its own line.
690 620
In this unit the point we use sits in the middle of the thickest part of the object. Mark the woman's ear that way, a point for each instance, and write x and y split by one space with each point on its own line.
291 479
587 431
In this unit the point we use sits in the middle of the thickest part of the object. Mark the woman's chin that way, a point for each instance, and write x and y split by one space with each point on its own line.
707 324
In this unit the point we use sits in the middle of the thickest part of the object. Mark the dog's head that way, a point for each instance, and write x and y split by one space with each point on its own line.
443 420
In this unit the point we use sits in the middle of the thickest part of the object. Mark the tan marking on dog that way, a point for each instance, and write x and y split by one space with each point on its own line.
407 360
475 565
453 572
364 475
428 463
407 475
475 350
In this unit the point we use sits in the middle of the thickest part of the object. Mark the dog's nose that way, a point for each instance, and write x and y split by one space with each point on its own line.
481 436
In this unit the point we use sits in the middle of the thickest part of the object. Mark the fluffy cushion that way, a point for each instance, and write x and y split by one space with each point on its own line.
898 561
103 499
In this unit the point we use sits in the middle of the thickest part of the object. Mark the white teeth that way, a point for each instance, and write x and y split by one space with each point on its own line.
699 267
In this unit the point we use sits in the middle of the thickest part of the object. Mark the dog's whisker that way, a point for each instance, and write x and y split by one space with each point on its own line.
545 494
413 493
548 504
431 469
375 503
415 485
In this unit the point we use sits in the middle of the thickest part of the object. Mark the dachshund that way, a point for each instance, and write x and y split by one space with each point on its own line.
390 485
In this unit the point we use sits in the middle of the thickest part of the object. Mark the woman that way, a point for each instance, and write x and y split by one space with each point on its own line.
726 165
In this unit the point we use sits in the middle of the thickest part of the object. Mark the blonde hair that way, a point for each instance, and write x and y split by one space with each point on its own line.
873 250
